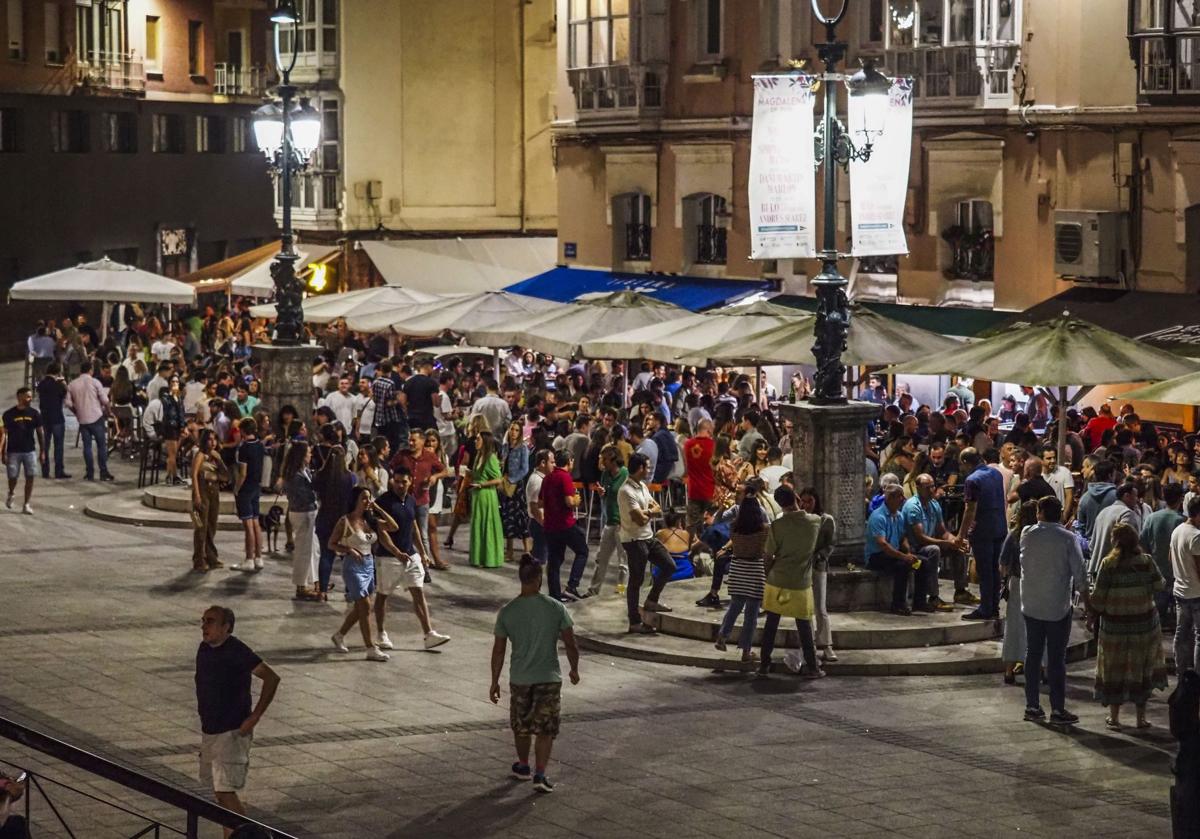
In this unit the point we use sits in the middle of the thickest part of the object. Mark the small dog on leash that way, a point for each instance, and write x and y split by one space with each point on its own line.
270 522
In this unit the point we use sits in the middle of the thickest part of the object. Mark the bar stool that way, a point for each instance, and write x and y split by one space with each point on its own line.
150 455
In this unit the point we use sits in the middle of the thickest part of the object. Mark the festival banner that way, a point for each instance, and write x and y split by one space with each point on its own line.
782 180
879 186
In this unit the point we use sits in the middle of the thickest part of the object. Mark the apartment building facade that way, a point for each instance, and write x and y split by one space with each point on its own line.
125 131
436 120
1036 124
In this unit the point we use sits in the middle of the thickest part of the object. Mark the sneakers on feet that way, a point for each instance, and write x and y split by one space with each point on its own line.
966 598
720 643
1063 717
339 643
385 643
976 615
258 563
433 638
521 771
376 654
828 655
655 606
246 565
577 594
542 784
709 601
1035 714
642 629
27 510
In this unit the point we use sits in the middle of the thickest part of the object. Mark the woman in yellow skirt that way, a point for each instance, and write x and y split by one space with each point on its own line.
792 541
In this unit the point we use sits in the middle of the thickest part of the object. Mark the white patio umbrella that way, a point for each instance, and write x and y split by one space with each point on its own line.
560 331
106 282
461 314
363 301
690 338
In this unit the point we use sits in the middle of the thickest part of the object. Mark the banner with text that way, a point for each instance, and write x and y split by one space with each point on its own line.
879 186
782 181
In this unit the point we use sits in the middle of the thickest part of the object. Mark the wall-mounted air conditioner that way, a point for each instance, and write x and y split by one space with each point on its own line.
1090 245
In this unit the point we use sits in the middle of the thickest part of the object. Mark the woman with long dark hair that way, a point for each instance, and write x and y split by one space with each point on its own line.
335 486
354 538
747 575
173 425
487 531
208 473
302 520
463 461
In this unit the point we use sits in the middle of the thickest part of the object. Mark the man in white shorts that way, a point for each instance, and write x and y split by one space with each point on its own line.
224 666
402 562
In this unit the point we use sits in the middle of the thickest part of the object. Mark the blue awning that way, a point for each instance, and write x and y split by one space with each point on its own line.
696 293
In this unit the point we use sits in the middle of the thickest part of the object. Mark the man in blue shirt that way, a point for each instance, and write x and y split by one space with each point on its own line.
926 532
886 551
984 525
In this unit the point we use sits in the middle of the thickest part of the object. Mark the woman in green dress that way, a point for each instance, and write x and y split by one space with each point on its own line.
487 530
1130 664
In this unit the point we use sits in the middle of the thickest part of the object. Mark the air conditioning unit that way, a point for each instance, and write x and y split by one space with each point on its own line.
1090 245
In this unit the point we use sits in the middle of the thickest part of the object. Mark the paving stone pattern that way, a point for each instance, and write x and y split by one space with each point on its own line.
100 623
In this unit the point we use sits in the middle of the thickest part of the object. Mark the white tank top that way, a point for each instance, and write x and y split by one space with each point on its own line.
361 540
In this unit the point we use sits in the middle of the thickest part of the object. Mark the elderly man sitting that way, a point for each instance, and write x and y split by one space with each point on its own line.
926 533
887 551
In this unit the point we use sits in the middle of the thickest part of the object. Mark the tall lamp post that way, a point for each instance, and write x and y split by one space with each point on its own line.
288 134
835 146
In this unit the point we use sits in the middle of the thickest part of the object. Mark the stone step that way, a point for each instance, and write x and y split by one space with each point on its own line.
127 507
178 499
857 630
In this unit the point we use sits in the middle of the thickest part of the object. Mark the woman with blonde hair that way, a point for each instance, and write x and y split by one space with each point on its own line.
1130 664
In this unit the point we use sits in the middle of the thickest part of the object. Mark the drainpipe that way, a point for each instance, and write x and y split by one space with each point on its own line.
521 4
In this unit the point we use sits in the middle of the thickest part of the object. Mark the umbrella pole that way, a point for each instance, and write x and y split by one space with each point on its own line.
1062 426
105 313
625 386
496 366
391 344
758 388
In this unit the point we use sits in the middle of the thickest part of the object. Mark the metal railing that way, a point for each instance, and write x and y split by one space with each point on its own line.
236 80
111 71
616 88
983 73
192 807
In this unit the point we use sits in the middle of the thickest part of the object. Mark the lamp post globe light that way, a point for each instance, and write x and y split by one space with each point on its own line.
835 146
287 133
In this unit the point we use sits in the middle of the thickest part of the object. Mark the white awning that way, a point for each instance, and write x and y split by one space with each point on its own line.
106 281
464 266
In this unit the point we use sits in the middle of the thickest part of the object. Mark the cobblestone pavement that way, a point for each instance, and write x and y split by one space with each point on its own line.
100 627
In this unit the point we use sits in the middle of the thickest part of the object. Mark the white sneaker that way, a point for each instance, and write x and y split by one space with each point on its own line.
433 638
339 643
244 566
258 563
375 654
828 654
27 510
385 643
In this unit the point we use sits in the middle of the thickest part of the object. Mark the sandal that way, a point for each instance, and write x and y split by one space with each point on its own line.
1018 668
1111 724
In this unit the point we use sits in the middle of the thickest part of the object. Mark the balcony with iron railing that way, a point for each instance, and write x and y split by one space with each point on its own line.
617 91
978 75
112 71
236 80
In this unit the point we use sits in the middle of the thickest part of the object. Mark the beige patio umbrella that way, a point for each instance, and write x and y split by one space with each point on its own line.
560 331
1059 353
348 304
460 313
872 339
1182 390
686 338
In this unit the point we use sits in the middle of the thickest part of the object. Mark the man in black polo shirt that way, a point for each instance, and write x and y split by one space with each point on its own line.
224 666
419 391
21 438
51 393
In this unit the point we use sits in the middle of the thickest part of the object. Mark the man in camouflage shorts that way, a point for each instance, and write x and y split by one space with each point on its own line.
534 623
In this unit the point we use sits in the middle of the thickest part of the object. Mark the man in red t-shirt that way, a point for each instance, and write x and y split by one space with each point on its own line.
557 503
426 467
701 483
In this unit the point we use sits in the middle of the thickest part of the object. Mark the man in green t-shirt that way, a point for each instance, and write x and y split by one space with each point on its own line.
534 623
612 475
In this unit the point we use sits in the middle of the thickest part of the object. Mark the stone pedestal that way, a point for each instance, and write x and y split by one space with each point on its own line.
287 379
828 453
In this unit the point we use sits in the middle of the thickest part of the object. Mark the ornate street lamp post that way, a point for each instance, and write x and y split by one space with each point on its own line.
288 134
834 146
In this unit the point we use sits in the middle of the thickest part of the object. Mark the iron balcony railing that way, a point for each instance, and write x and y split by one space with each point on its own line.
982 73
192 808
236 80
711 244
111 71
637 241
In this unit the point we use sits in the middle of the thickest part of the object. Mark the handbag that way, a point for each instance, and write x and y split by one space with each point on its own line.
507 486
